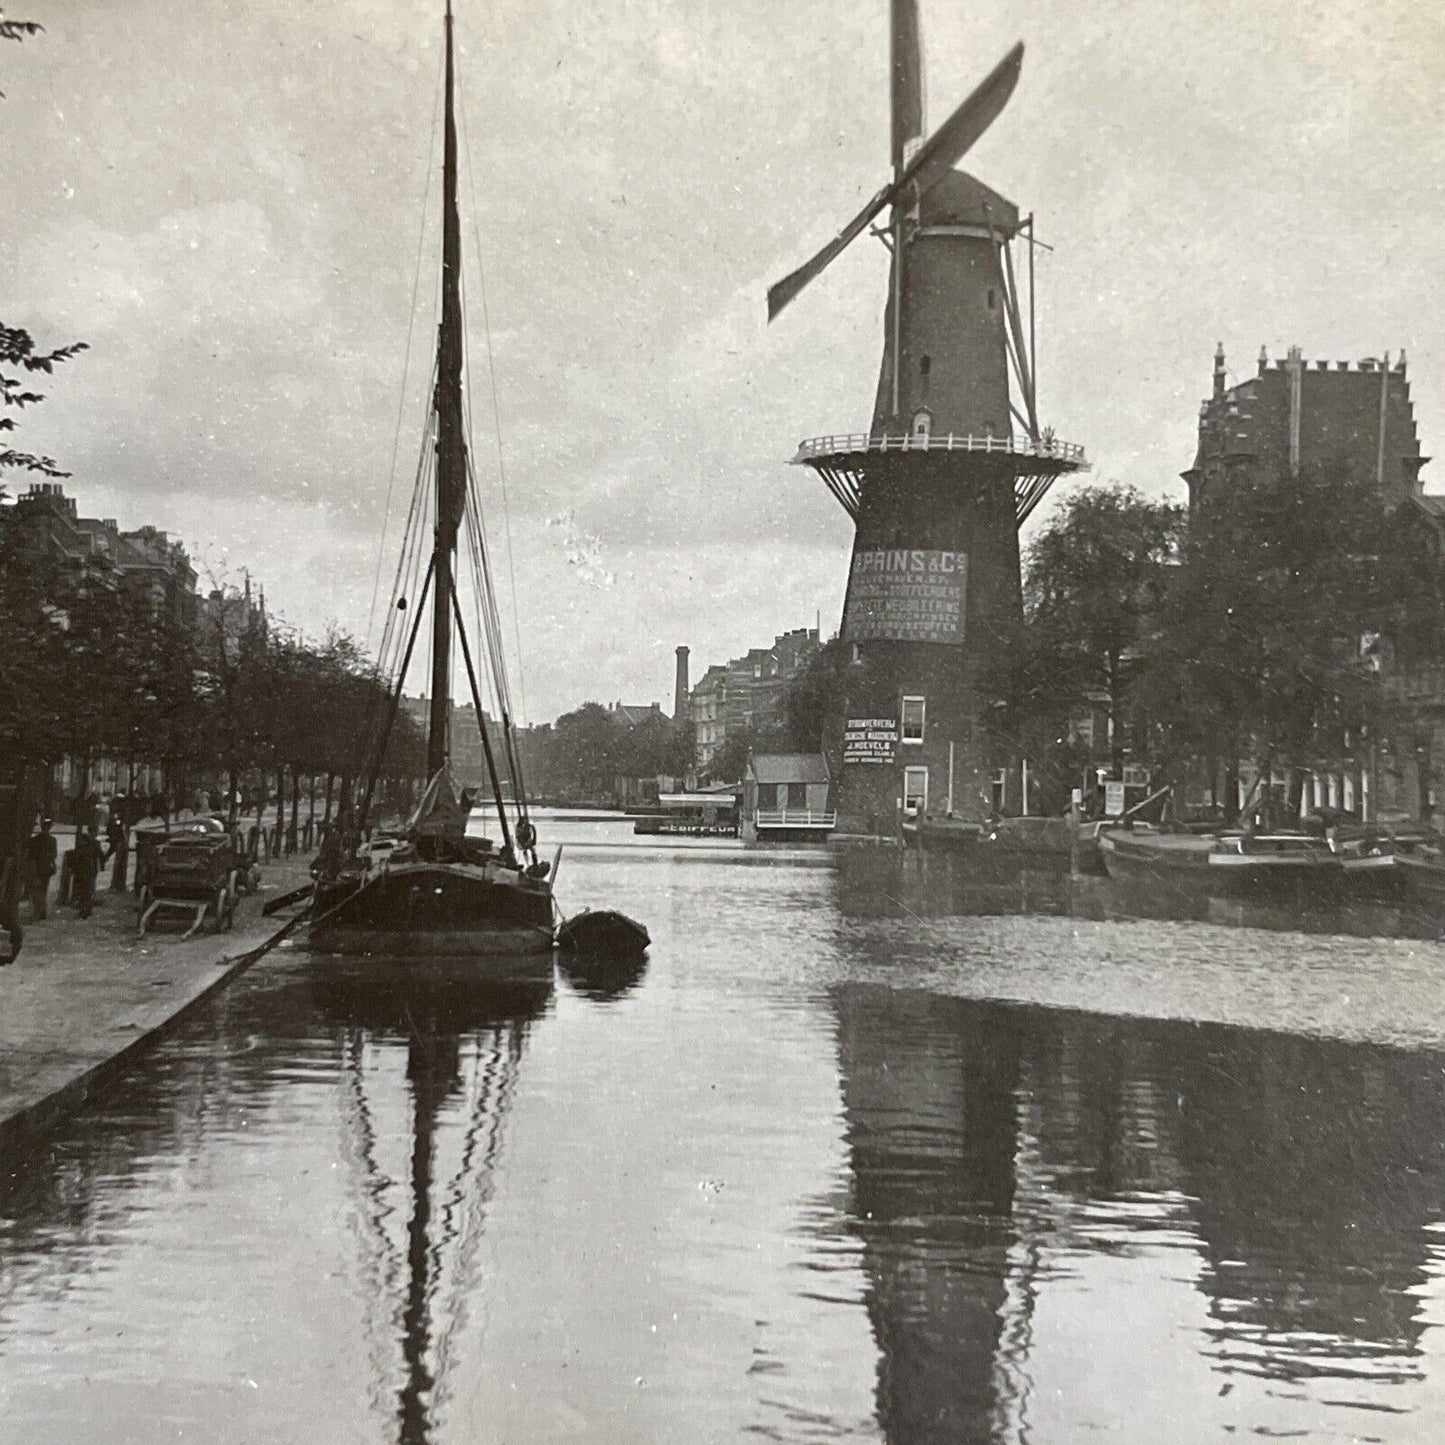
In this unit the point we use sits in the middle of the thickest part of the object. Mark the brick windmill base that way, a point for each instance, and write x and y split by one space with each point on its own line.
932 620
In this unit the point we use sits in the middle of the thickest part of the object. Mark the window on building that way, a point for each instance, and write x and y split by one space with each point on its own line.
915 791
911 730
992 299
922 424
1000 791
857 653
797 796
767 796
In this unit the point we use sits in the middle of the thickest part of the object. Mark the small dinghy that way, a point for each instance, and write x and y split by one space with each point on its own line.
603 932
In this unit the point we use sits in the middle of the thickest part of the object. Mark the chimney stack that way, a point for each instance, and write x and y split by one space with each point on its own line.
1219 369
680 691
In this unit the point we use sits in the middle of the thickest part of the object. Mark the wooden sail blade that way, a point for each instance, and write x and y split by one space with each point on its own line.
935 158
789 286
906 53
957 135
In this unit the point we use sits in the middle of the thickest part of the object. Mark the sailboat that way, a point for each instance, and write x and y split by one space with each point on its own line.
431 889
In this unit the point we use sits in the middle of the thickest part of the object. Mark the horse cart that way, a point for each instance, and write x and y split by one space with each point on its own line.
194 873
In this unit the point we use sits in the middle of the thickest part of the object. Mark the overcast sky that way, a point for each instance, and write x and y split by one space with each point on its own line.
224 199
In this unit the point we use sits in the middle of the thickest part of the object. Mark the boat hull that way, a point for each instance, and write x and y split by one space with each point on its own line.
1423 883
437 911
1193 869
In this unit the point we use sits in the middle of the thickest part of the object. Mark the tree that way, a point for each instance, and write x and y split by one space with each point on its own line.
32 625
728 762
1098 575
586 751
813 704
18 357
1260 654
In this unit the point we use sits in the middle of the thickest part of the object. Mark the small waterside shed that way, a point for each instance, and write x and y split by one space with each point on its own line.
786 796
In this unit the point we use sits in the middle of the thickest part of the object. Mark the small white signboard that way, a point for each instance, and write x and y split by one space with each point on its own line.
1114 799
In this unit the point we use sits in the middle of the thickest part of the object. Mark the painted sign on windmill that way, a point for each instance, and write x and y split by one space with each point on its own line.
870 740
907 595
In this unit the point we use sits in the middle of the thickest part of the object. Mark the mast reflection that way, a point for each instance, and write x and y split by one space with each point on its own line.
463 1044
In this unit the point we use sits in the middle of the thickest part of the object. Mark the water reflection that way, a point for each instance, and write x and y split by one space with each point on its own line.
604 978
463 1046
1009 1163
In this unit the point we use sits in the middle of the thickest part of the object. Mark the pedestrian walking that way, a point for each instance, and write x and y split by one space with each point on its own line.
40 855
85 864
117 851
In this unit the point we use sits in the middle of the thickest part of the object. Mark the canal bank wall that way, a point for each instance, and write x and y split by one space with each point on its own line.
86 995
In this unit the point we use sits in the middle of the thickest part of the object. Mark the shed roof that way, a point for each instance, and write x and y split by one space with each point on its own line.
788 767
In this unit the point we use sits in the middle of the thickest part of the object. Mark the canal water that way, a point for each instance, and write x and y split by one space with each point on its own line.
823 1170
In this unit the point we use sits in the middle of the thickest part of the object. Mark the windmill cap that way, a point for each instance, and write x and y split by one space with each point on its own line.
960 199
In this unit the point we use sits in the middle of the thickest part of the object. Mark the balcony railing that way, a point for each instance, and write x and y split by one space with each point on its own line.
1046 448
792 818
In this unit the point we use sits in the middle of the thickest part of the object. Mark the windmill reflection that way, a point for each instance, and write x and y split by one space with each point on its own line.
994 1149
462 1045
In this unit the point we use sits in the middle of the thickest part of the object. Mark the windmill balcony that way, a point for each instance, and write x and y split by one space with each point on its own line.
1045 448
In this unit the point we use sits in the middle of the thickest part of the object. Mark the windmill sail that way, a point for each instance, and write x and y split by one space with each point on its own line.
906 43
932 161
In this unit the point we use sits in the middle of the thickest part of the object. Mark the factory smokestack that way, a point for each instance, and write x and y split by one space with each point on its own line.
679 697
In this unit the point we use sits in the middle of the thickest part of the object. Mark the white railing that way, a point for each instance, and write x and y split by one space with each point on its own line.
1046 447
793 818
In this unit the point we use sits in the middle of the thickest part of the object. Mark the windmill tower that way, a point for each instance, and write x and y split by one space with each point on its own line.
953 463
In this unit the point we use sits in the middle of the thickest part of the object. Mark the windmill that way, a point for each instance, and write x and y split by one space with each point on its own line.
953 462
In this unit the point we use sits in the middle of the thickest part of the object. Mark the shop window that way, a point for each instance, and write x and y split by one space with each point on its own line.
915 791
911 730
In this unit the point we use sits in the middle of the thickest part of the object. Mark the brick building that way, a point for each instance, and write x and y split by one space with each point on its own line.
749 693
146 555
1357 417
1294 414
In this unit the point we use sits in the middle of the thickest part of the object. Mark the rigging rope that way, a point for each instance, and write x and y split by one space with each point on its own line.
406 365
496 406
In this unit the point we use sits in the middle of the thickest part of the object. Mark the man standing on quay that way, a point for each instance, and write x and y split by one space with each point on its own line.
85 865
40 854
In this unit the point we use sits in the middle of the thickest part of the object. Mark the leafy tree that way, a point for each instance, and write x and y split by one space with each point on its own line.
33 629
1261 649
813 704
586 751
19 358
18 29
728 762
1098 575
656 745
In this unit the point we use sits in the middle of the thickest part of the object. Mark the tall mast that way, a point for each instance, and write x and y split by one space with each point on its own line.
451 440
